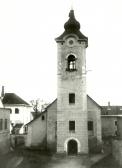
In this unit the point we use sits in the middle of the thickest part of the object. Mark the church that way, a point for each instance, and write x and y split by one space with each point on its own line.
71 124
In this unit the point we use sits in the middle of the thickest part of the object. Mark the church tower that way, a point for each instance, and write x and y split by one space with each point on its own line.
72 131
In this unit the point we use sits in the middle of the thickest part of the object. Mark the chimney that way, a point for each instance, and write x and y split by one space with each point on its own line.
2 92
109 104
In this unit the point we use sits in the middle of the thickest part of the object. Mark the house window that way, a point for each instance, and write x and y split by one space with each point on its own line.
6 124
71 63
90 125
71 98
16 111
72 126
10 111
1 124
43 117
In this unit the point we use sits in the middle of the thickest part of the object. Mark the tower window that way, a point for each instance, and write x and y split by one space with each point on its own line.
43 117
71 125
71 98
71 63
16 111
90 125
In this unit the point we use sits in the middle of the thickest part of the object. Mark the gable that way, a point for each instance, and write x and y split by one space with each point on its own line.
92 105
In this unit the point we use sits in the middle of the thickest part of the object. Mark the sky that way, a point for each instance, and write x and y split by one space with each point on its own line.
28 51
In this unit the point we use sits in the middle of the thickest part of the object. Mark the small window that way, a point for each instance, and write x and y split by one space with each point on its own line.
16 111
10 111
116 123
1 124
71 125
90 125
26 129
71 63
43 117
71 98
6 123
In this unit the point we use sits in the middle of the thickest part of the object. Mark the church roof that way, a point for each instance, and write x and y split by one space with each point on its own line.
46 110
72 26
12 98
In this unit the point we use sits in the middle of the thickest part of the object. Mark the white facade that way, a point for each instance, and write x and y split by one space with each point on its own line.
23 116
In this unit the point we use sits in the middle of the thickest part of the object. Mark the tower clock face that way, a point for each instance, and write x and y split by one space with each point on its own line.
71 42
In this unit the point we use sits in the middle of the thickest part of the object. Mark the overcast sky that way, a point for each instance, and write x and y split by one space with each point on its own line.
28 51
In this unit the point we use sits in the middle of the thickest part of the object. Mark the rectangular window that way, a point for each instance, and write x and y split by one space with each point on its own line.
6 124
116 123
71 98
1 124
16 111
71 125
90 125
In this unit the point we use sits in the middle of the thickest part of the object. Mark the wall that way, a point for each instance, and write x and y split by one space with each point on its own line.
24 115
117 150
95 136
119 125
51 126
5 133
36 135
72 82
108 125
94 114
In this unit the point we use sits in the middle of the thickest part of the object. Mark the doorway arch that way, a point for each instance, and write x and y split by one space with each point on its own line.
72 147
66 144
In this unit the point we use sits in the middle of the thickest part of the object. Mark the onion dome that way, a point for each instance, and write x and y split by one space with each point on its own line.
72 26
72 23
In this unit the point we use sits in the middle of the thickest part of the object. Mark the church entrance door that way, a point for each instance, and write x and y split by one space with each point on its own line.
72 147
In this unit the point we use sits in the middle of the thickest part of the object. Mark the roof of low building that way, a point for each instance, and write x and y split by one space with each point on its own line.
52 104
12 98
111 110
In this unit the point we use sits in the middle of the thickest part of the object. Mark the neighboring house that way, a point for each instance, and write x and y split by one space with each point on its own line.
20 110
110 115
4 129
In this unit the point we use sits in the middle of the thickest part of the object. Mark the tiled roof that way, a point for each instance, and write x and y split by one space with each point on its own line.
111 110
12 98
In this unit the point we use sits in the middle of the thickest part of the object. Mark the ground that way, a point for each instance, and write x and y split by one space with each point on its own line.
107 162
21 158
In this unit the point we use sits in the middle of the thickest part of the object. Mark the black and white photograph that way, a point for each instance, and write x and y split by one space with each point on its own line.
60 84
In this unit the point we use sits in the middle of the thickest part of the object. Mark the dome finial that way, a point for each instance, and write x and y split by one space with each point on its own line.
72 5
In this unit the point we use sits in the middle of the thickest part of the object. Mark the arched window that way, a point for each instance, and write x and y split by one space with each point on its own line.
71 63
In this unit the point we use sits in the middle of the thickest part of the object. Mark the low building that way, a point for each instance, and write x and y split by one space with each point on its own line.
4 129
20 110
110 115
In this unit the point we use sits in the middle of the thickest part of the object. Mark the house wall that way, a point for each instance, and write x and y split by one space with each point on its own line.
52 126
119 127
36 134
24 115
5 133
108 126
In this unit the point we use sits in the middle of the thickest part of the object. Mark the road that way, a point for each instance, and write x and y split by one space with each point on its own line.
36 159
